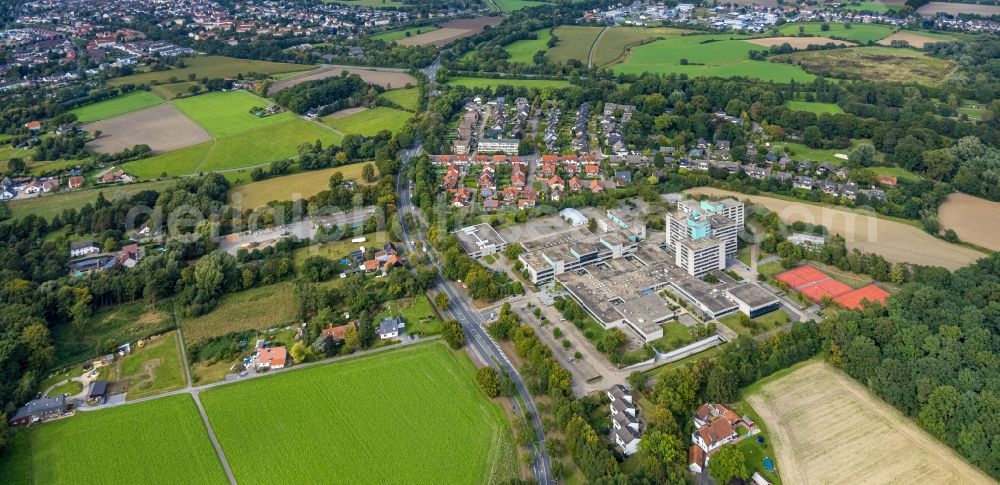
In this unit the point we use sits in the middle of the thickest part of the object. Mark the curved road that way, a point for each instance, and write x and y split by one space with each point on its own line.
483 345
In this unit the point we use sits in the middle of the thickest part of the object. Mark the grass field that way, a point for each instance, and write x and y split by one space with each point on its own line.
242 311
154 369
142 444
826 427
763 323
50 205
177 162
171 91
574 43
369 3
802 152
406 98
814 107
713 55
72 388
410 415
370 121
860 33
524 50
614 44
895 241
898 172
210 67
482 82
512 5
393 35
224 114
111 327
874 6
419 315
118 105
873 63
290 187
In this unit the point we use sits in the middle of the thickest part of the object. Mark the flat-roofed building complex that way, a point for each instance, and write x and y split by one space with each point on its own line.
492 145
551 256
480 240
702 234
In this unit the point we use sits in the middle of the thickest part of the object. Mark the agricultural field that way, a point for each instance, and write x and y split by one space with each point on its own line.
406 98
956 9
144 442
386 78
874 6
421 418
50 205
713 55
507 6
266 144
825 427
222 114
174 90
451 30
371 121
119 105
109 328
860 33
966 214
178 162
482 82
916 39
418 313
290 187
241 311
211 67
798 42
874 63
895 241
613 46
369 3
524 50
574 42
814 107
394 35
163 128
154 369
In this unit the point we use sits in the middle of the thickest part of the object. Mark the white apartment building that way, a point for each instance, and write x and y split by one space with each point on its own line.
703 234
505 145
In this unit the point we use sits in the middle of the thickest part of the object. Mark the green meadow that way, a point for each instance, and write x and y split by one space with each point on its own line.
860 33
482 82
119 105
406 98
814 107
370 121
524 50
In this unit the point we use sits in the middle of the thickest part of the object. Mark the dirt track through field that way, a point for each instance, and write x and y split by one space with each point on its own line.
162 127
828 429
895 241
914 40
974 220
798 42
344 113
385 78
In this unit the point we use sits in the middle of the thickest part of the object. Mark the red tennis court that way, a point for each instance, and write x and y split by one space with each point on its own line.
853 299
802 276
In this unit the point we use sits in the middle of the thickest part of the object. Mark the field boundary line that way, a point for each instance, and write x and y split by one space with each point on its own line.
215 441
180 344
325 126
593 47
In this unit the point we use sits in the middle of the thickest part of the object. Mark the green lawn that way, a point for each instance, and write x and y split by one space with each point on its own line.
814 107
418 313
228 113
338 250
394 35
524 50
675 336
802 152
72 388
171 91
410 415
971 109
108 329
296 186
761 324
266 144
707 55
406 98
50 205
482 82
769 269
860 33
898 172
254 309
210 67
119 105
754 452
614 44
139 444
370 121
154 369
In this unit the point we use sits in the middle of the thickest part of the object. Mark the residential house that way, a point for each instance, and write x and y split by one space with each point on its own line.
83 248
623 177
33 125
75 182
271 358
131 255
624 419
715 425
591 170
596 186
391 327
575 184
40 409
49 184
556 183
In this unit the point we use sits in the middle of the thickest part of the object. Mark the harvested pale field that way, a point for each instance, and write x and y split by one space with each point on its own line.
449 31
958 8
913 39
387 78
827 428
798 42
974 220
344 113
895 241
163 128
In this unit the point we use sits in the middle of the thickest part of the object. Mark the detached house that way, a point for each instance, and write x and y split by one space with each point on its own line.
83 248
391 327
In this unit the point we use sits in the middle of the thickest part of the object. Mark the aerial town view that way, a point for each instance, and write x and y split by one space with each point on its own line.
499 242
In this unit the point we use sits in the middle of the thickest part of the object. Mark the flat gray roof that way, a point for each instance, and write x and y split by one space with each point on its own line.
753 295
473 238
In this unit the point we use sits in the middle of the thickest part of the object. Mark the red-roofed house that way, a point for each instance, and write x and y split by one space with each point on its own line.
556 182
525 204
271 357
75 182
518 180
33 125
591 170
575 184
886 180
595 186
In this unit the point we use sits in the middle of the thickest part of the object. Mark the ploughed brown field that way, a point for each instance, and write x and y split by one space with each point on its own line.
797 42
895 241
974 220
449 31
385 78
827 428
162 127
958 8
914 40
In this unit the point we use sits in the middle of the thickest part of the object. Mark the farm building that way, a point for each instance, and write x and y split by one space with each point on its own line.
40 409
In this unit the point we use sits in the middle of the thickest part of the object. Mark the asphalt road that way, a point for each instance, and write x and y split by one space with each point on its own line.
462 310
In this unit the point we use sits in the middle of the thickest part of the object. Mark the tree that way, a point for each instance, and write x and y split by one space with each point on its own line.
488 380
368 172
637 380
862 155
592 225
16 166
301 353
442 300
727 463
453 334
812 137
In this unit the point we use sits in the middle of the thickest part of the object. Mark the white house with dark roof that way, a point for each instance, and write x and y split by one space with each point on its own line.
391 327
626 431
83 248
